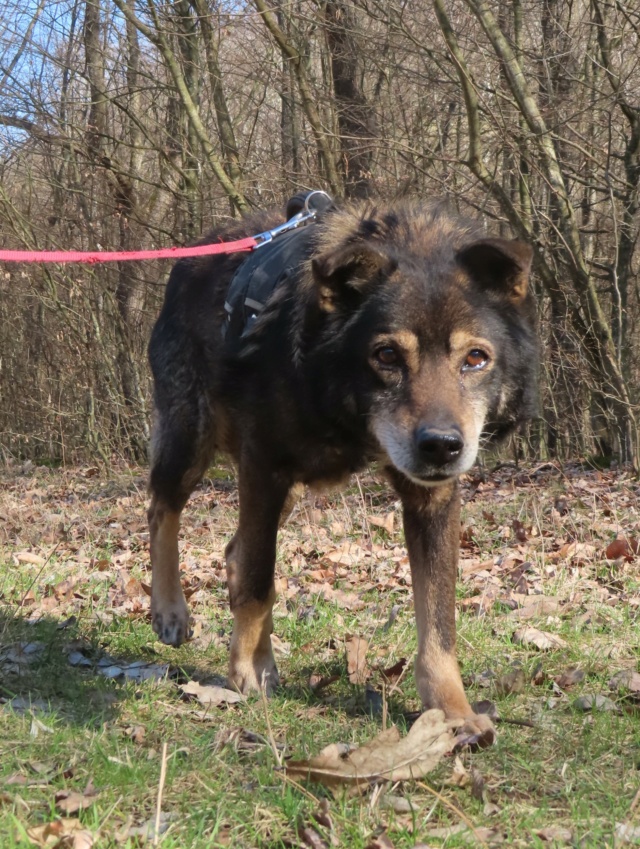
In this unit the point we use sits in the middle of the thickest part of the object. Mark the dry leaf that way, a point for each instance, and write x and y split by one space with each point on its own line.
570 677
627 833
627 681
380 842
595 701
310 837
147 831
542 640
68 833
357 666
70 801
555 834
386 522
388 757
626 548
511 682
537 606
393 674
29 557
211 695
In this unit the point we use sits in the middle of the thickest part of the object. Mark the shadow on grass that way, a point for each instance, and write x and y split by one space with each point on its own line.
49 665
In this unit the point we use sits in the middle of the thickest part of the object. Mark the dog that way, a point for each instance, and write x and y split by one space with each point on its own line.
399 334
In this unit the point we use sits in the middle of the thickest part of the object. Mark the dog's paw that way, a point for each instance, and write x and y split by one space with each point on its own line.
252 676
171 622
476 732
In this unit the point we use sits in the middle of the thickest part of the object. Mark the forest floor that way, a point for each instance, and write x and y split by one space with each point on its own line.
110 739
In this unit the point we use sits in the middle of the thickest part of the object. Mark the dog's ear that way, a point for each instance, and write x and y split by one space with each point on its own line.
499 264
344 272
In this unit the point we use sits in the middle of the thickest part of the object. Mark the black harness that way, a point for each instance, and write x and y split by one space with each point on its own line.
266 268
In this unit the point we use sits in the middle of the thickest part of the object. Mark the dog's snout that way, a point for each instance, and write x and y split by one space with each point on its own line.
438 446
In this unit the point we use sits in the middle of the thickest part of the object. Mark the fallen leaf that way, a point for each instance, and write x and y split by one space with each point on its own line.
147 831
460 776
627 833
386 522
310 837
29 557
538 606
393 674
70 801
542 640
570 677
67 833
357 666
626 548
211 695
595 701
510 682
388 757
398 804
627 681
555 834
380 842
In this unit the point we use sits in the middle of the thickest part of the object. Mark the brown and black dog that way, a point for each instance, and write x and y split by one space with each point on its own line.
403 336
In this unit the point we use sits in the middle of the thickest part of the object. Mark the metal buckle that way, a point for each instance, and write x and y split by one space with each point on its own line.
307 214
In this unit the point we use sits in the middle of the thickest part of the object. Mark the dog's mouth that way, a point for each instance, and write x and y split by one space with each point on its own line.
428 480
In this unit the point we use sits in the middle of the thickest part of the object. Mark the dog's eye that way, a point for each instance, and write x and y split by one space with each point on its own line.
387 356
475 360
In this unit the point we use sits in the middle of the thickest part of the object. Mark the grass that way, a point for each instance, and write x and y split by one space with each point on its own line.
72 559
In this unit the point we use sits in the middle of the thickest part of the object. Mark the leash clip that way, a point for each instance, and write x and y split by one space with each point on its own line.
309 212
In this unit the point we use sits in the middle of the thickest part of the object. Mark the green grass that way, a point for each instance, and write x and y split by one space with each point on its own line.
575 769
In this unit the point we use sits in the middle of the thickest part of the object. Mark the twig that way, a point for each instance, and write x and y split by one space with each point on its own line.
455 810
384 707
272 740
283 775
163 775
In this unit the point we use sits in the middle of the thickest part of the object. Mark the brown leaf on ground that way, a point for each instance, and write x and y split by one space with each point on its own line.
380 842
542 640
595 701
555 834
460 776
310 837
211 695
357 666
570 677
388 757
537 606
626 548
386 522
147 831
511 682
625 832
29 557
626 682
393 674
67 833
70 801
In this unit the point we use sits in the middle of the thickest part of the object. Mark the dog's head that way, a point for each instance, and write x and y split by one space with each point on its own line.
438 325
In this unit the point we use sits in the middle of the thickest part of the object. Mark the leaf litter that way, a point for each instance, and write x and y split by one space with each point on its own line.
388 757
100 569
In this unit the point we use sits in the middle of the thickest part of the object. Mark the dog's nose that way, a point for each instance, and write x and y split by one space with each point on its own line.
438 446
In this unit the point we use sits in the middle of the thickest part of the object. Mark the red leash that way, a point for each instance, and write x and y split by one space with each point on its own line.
307 212
118 256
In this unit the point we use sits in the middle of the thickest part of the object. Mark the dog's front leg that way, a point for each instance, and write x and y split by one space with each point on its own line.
432 532
250 559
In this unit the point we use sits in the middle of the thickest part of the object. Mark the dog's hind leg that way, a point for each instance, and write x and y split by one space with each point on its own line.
180 456
250 559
